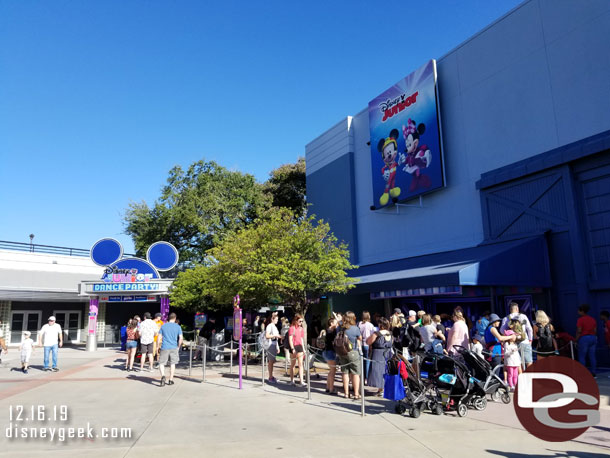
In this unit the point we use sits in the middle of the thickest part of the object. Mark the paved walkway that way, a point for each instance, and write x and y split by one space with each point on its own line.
216 419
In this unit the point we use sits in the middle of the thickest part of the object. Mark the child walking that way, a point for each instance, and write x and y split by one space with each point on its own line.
27 346
512 360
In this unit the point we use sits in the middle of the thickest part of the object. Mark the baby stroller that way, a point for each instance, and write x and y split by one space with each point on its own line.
418 395
453 381
486 377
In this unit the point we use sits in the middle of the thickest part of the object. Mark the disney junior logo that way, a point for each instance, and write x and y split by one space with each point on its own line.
557 399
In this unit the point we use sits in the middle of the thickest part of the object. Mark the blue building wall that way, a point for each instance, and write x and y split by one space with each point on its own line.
533 81
526 136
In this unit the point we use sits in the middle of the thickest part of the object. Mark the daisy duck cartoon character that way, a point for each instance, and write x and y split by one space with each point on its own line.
388 147
418 156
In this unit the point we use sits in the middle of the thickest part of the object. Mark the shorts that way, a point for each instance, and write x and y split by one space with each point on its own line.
131 344
527 352
25 356
147 349
329 355
171 355
297 349
350 364
272 352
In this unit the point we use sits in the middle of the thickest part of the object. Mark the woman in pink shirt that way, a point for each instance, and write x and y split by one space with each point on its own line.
296 335
458 334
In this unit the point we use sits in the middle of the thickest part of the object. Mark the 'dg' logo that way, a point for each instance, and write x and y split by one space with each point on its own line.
557 399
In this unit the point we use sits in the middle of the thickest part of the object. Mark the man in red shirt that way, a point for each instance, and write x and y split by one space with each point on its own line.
605 317
586 336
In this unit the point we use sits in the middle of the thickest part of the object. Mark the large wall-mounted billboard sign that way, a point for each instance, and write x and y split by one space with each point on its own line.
406 146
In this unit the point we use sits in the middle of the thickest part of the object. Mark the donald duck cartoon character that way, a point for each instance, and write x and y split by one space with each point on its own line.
388 147
418 156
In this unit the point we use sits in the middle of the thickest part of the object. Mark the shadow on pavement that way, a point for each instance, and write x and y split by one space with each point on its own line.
554 453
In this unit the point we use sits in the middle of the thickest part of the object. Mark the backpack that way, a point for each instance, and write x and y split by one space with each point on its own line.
408 337
545 337
263 341
321 340
342 344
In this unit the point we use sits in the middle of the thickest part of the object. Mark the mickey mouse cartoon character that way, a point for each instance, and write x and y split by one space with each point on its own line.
388 147
418 156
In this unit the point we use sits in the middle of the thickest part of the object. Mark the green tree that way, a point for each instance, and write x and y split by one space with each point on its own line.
280 256
197 209
286 186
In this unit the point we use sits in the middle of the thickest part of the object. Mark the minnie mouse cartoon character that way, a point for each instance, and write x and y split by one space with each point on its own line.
388 147
418 156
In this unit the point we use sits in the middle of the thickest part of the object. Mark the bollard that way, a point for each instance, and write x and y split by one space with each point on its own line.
205 358
190 358
231 358
308 374
263 366
572 349
361 383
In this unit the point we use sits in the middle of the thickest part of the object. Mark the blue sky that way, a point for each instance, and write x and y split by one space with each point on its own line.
99 99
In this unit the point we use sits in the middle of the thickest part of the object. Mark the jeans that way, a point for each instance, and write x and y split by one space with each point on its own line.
367 364
586 347
47 350
496 360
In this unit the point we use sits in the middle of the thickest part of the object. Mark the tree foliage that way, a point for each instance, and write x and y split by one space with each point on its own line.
295 260
197 209
286 186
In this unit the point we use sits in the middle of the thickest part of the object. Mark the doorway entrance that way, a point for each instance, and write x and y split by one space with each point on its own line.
70 323
24 320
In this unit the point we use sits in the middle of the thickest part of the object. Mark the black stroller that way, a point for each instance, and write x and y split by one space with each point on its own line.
454 383
418 395
486 377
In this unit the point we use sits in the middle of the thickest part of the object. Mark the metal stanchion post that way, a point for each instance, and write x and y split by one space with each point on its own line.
263 366
308 374
246 358
231 358
572 349
205 358
361 383
522 356
190 358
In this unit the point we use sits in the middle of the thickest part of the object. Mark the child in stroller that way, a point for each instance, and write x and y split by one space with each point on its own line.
452 379
418 395
485 377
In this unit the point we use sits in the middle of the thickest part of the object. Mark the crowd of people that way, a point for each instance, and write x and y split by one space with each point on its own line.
155 340
512 341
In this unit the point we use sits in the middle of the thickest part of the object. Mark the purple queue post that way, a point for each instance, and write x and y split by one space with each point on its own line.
237 331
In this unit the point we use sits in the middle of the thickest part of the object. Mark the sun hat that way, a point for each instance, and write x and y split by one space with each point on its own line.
493 318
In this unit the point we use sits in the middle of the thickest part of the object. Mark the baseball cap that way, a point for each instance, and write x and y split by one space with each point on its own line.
397 310
412 313
27 333
52 318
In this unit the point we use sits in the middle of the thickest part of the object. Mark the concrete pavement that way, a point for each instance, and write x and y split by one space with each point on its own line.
217 419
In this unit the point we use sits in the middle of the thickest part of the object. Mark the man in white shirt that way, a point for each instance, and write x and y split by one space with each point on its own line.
50 336
148 331
526 345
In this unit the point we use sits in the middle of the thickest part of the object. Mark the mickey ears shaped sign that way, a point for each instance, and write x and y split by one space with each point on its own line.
108 253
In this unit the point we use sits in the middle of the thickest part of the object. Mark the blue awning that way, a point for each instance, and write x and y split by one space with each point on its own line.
523 262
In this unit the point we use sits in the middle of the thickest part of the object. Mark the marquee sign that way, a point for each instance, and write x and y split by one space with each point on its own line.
406 146
131 275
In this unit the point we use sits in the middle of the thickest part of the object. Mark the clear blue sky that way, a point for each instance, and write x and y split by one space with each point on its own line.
99 99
